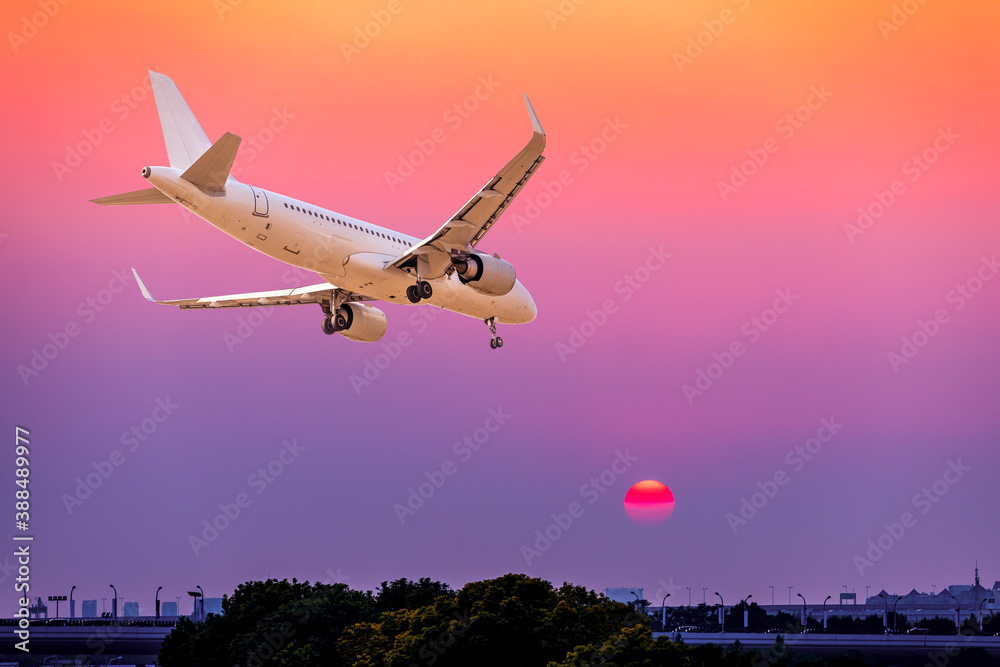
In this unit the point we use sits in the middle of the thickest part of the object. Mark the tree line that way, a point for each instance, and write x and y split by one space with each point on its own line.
510 620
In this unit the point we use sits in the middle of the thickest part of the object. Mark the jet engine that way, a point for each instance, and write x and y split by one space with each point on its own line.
360 323
486 274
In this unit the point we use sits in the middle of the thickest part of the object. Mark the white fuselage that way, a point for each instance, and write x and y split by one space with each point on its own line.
346 252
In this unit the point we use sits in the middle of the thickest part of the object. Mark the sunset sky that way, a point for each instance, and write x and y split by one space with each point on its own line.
763 247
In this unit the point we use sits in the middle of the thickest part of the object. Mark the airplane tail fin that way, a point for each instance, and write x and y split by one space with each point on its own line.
182 133
205 164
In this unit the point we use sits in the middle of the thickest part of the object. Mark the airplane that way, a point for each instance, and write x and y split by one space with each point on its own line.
360 262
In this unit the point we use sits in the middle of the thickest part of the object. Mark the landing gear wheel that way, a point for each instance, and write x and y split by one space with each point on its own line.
424 289
412 295
328 327
495 340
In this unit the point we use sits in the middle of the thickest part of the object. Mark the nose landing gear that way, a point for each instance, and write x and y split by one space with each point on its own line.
495 341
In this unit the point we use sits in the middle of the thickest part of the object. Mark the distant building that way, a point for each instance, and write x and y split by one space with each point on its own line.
969 597
963 599
89 609
131 609
623 594
213 606
168 609
39 609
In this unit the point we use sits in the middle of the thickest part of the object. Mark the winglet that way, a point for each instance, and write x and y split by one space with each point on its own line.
142 288
535 125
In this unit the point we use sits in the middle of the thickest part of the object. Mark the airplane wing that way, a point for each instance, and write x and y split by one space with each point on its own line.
467 227
287 297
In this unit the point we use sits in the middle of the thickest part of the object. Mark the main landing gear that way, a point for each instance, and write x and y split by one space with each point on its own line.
422 290
496 341
335 319
334 323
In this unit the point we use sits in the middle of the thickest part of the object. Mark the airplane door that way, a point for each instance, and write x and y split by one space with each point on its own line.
259 201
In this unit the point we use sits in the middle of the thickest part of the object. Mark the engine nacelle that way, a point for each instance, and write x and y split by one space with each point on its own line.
361 323
486 274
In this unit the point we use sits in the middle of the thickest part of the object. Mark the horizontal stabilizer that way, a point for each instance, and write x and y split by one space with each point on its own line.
211 171
147 196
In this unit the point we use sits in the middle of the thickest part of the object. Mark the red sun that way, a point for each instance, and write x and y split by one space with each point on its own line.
649 502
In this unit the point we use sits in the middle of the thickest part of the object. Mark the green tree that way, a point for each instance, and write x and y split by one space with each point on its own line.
406 594
273 622
513 619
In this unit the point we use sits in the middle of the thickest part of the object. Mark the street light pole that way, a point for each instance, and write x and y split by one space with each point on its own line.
985 600
703 589
772 596
114 602
790 595
958 615
803 611
885 616
202 603
894 614
746 611
689 595
196 595
158 602
57 599
824 609
72 613
663 615
722 613
104 606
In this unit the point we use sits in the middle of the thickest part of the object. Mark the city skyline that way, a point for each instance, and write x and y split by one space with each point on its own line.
678 595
